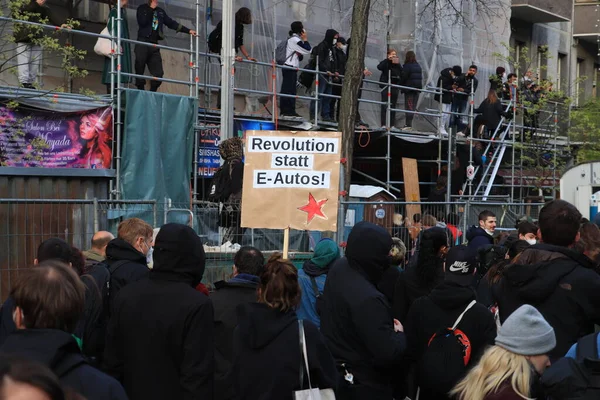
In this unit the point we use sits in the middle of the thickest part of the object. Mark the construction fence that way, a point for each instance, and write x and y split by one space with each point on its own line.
28 222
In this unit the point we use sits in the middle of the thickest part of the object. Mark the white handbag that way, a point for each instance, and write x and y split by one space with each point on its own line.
310 393
104 47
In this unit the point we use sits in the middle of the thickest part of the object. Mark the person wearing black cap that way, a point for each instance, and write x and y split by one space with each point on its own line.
160 336
440 310
356 320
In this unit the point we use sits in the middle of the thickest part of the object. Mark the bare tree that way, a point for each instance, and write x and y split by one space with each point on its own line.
352 82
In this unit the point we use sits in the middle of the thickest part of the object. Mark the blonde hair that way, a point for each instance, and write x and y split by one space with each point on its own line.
497 366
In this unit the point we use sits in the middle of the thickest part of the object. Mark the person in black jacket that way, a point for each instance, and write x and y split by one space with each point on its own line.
89 329
160 340
422 275
445 83
412 76
228 190
267 357
464 85
241 289
325 51
127 255
482 235
440 309
150 19
24 379
560 282
356 319
391 71
340 69
49 300
492 111
28 39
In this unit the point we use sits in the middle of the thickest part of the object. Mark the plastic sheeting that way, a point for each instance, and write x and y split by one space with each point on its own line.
401 24
158 146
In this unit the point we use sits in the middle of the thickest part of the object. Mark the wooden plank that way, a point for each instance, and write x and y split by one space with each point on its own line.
411 186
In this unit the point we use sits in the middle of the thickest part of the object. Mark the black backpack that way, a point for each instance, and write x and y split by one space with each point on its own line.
318 295
107 283
575 379
444 362
215 39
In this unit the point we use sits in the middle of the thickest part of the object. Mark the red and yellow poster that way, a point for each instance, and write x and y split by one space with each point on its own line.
291 179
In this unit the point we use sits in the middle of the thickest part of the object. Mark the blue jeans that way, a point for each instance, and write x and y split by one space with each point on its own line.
459 105
324 102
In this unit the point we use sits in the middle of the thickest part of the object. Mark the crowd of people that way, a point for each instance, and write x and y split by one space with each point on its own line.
331 54
502 317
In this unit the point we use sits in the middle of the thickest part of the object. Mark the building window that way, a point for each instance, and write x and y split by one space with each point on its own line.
579 70
542 64
562 70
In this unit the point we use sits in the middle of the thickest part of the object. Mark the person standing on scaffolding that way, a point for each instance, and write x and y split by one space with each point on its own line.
297 47
325 51
464 85
151 18
391 69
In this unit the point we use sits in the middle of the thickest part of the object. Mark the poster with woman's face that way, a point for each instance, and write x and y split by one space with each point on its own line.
47 139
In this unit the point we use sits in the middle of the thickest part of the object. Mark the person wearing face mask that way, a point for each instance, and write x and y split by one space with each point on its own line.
127 255
160 340
356 320
339 70
511 369
528 232
325 51
479 236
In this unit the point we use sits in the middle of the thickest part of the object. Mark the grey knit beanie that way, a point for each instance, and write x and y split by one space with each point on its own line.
526 332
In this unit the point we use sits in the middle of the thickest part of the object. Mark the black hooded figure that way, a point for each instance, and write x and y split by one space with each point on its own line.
325 51
160 335
356 319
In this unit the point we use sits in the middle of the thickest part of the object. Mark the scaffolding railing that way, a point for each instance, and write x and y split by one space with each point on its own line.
195 82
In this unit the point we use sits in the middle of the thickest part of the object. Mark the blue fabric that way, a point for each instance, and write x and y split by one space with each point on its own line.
572 353
245 278
307 310
324 88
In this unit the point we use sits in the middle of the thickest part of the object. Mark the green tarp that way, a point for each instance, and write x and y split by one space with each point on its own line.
158 141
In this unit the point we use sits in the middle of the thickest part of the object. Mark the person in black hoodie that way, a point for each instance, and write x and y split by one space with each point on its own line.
560 282
423 275
391 70
340 69
49 300
445 83
127 255
412 76
160 336
356 319
240 289
268 363
482 235
439 310
325 51
151 19
438 193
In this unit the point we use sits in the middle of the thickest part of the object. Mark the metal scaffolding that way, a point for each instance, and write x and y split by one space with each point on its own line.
510 135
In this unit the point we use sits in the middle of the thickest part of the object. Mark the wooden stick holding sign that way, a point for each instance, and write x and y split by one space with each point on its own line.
286 242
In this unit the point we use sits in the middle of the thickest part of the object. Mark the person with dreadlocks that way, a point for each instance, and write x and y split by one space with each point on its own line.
226 188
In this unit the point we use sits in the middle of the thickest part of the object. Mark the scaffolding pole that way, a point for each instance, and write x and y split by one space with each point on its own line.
227 70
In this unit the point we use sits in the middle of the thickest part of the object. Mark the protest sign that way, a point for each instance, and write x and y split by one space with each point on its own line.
291 180
47 139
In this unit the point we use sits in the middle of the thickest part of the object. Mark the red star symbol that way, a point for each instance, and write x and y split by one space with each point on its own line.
313 208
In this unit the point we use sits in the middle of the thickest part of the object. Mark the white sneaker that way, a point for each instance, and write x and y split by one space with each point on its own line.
443 132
